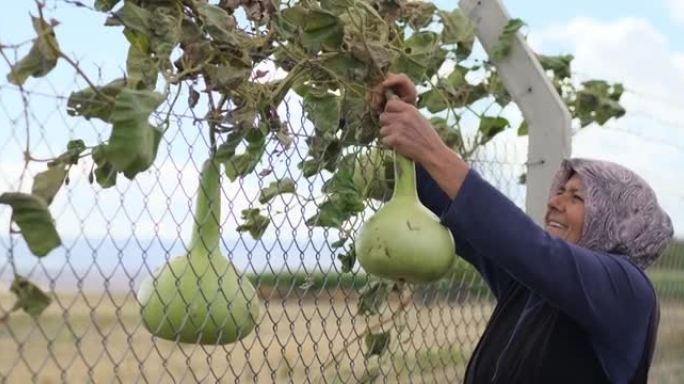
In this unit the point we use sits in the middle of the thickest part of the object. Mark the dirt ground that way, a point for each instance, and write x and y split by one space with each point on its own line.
99 338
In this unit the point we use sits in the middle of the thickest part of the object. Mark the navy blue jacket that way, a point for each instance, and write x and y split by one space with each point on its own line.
601 297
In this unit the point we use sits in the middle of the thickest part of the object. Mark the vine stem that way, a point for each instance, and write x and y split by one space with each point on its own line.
403 303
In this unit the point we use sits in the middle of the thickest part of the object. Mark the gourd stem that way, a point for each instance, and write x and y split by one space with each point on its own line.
404 177
205 232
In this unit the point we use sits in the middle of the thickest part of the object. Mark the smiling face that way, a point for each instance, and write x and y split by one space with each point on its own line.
565 211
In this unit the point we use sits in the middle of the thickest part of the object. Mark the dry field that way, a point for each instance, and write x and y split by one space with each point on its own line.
98 338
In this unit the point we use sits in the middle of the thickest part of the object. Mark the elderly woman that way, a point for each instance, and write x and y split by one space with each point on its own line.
573 302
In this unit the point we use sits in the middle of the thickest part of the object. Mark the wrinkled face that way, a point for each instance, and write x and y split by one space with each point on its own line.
565 211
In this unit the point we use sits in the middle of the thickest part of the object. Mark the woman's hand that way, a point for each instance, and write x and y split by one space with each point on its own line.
402 127
400 84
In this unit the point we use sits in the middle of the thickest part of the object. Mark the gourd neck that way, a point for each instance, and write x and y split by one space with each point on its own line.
404 177
205 232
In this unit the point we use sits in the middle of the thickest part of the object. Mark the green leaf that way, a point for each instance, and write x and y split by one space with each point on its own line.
560 65
336 210
32 216
598 102
372 298
497 88
141 69
105 174
226 150
41 58
351 67
240 165
98 102
275 188
458 29
322 30
296 15
323 111
30 298
347 260
421 56
218 23
377 343
47 183
503 47
451 137
310 167
339 243
74 150
133 142
434 100
523 129
105 5
134 17
490 127
254 222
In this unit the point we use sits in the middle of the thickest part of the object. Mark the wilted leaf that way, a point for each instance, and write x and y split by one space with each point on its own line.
418 14
458 29
30 298
218 23
254 222
133 142
105 5
372 297
347 260
240 165
226 77
32 216
276 188
47 183
97 102
41 58
377 343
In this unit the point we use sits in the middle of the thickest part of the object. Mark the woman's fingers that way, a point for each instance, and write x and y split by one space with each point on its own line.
402 87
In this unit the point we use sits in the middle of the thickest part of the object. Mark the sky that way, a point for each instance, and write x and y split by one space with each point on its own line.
622 41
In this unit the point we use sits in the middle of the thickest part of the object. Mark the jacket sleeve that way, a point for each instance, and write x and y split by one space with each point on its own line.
606 294
432 196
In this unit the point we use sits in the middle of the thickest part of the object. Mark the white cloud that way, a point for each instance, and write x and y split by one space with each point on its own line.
650 138
676 9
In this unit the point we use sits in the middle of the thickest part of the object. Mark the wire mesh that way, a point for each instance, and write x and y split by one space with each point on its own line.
309 329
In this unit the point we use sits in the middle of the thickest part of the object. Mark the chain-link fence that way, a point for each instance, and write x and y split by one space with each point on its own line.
309 330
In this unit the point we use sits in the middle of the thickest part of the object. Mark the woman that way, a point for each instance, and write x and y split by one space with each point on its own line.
573 302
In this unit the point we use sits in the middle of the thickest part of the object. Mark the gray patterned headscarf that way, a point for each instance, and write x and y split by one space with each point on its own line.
621 211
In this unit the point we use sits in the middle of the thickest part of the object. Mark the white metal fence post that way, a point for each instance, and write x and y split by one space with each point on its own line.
543 109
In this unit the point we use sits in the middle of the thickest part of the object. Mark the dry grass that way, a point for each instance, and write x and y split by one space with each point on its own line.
99 338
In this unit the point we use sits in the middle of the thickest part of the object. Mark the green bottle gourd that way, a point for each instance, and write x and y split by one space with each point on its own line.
200 297
404 240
